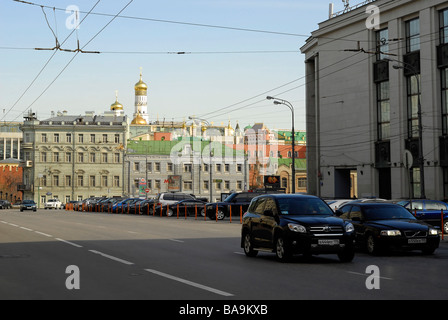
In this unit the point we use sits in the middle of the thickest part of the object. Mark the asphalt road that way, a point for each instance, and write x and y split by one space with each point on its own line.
119 257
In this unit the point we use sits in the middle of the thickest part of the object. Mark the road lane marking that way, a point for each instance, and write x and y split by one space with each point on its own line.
175 240
365 275
68 242
44 234
26 229
190 283
111 257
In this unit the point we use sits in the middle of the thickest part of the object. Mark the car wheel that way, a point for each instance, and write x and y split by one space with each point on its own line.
372 245
21 210
169 213
203 212
247 245
220 215
445 227
282 251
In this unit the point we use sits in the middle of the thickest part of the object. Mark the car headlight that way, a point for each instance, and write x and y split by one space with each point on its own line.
349 227
296 228
391 233
433 232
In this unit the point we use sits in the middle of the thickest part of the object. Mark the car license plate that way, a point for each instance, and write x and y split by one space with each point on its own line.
328 242
416 241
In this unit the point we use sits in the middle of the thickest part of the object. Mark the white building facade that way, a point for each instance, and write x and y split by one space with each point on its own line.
377 86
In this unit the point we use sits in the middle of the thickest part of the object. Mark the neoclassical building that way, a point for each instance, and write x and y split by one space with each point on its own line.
74 157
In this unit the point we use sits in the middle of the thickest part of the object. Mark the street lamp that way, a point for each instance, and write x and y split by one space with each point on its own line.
210 184
289 105
411 68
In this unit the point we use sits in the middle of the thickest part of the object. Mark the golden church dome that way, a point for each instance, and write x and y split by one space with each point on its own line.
116 105
139 120
140 86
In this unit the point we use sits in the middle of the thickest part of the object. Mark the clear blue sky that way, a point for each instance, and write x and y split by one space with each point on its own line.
220 78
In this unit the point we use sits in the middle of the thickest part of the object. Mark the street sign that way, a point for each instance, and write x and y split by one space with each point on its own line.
408 159
147 190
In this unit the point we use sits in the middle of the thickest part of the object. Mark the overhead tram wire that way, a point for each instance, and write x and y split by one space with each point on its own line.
46 63
76 53
191 23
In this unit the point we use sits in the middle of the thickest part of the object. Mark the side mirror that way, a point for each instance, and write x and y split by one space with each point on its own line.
338 212
268 213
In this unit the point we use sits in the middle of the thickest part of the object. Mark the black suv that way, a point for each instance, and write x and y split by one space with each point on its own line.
288 224
239 202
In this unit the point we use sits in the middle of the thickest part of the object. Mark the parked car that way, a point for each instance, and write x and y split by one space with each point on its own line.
289 224
28 205
429 211
192 207
172 197
381 226
53 204
5 204
123 205
236 202
336 204
145 206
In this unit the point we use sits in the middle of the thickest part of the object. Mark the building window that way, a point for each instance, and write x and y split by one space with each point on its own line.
92 157
301 183
239 167
43 157
157 184
105 138
116 181
239 185
218 167
136 166
117 138
104 181
92 138
80 181
227 185
226 167
116 157
56 181
383 106
55 156
44 137
104 157
56 138
80 157
68 137
414 91
188 185
92 181
187 167
68 181
382 44
149 166
68 157
415 182
81 138
413 35
206 185
157 167
169 167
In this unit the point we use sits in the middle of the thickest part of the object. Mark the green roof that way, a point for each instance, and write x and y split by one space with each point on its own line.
300 163
166 147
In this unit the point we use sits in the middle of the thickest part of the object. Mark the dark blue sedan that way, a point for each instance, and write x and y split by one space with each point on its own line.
429 211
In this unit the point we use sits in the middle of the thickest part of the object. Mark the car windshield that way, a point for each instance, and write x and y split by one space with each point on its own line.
303 206
386 213
28 202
